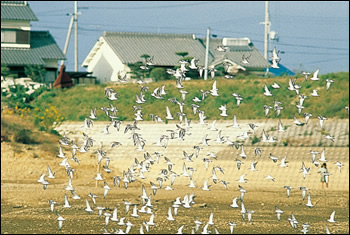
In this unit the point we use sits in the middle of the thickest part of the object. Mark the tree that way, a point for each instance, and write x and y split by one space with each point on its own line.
182 54
5 71
35 72
158 74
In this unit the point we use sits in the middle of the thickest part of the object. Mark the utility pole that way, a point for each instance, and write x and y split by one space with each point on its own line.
76 36
267 29
206 56
67 39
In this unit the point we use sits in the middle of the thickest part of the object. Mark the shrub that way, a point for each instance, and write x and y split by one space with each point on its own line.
255 139
23 136
158 74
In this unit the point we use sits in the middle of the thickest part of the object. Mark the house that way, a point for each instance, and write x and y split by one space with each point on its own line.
113 51
21 46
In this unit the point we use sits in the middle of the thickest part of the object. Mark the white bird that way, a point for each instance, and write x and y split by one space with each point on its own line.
279 212
339 165
253 166
304 170
243 210
221 48
99 176
232 225
243 191
193 63
250 213
323 156
314 93
297 122
88 208
214 90
115 215
168 114
280 126
60 220
242 154
43 181
331 218
275 86
134 212
245 59
267 91
206 186
170 216
275 54
275 64
283 162
212 127
309 204
66 202
273 158
269 177
51 174
307 117
235 124
267 109
327 230
306 74
289 188
211 217
242 179
329 137
314 77
322 119
293 222
106 189
223 110
179 231
234 203
52 204
151 220
61 154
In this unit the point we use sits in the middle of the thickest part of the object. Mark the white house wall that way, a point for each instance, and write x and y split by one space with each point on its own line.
15 24
104 64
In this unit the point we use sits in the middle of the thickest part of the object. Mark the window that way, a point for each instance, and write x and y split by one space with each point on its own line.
15 36
8 36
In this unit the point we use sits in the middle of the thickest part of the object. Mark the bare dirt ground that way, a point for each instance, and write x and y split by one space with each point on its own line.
25 207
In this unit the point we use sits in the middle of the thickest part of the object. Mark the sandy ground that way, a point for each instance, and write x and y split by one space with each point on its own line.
25 207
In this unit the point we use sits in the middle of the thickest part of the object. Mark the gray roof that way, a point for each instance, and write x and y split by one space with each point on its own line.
42 46
17 10
235 54
130 46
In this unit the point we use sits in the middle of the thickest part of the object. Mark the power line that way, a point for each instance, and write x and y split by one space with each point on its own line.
154 7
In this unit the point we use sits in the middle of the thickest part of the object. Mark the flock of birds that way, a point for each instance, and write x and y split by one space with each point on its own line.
140 168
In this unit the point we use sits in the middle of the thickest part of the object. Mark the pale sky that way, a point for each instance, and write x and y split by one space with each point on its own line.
311 34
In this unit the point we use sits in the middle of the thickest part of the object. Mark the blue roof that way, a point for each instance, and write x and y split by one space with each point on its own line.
281 71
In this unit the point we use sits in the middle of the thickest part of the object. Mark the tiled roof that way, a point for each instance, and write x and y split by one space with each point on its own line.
129 47
17 10
235 54
42 46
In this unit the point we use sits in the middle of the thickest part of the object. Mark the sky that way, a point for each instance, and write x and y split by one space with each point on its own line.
312 34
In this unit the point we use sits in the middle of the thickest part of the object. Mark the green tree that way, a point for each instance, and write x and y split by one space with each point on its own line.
158 74
182 53
5 71
35 72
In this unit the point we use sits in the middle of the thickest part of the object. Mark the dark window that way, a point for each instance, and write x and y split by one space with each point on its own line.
15 36
22 37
